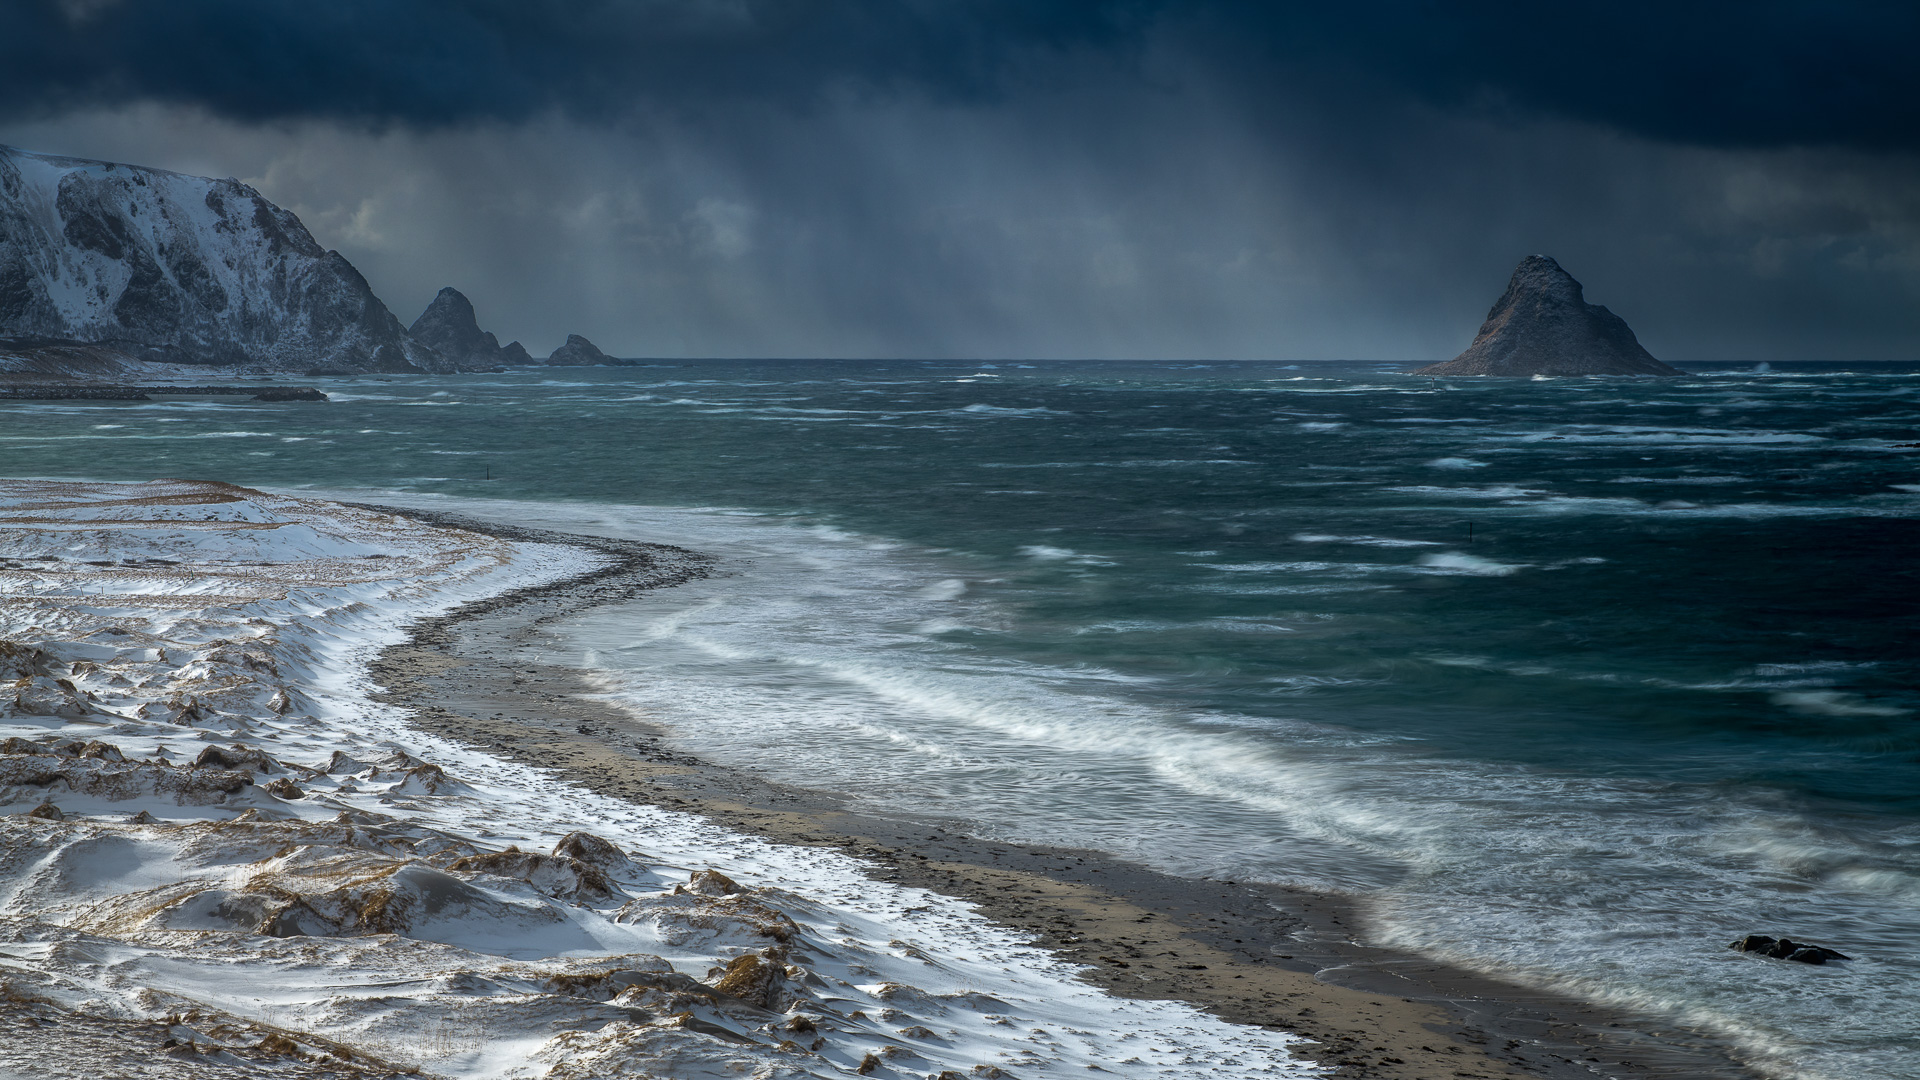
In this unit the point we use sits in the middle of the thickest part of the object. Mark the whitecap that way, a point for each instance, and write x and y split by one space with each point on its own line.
1367 541
1771 670
949 589
1457 562
1291 567
1677 480
1496 491
1833 703
1631 433
999 410
1048 553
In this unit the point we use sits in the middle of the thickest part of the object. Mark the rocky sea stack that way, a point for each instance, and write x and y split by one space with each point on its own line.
578 352
449 327
1543 325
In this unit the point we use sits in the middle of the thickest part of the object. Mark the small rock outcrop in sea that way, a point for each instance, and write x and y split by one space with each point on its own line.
1543 325
449 327
514 353
577 352
1783 949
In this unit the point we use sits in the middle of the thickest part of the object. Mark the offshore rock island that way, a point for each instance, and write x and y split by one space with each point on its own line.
449 326
577 352
1542 325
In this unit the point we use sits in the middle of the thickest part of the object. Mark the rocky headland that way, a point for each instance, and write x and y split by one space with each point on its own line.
114 272
1543 325
160 267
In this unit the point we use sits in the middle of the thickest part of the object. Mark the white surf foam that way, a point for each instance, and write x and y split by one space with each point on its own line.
1521 871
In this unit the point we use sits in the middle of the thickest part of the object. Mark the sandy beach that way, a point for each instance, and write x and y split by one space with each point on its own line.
278 778
222 855
1252 954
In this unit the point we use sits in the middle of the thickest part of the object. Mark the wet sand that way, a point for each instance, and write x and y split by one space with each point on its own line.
1251 953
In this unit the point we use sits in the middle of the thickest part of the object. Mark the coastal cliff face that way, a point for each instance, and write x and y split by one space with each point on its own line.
183 269
1542 325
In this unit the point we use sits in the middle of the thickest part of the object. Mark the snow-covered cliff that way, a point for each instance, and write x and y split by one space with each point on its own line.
182 268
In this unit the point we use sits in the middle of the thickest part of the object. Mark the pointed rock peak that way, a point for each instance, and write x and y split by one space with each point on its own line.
1543 325
453 302
449 327
1539 273
450 310
577 352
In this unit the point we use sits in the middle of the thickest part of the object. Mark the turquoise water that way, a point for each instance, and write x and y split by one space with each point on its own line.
1572 680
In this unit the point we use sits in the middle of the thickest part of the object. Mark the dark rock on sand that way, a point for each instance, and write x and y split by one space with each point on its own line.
754 978
237 757
577 352
594 851
1784 949
1542 325
68 391
290 393
31 358
709 882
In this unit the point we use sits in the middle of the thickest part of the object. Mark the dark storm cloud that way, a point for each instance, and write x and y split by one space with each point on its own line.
438 62
1719 74
1004 178
1749 74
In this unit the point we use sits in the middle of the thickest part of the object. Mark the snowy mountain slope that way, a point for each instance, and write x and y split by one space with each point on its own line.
182 268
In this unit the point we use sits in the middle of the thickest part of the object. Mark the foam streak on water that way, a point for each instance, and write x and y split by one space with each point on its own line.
1572 680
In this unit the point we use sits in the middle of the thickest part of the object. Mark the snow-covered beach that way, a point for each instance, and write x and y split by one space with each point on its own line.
223 856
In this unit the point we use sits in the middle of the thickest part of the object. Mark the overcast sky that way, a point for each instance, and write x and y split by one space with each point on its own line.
1023 178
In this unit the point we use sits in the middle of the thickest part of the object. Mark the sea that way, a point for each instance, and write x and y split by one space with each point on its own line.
1568 681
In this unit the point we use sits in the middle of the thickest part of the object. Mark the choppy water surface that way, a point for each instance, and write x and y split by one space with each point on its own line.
1575 680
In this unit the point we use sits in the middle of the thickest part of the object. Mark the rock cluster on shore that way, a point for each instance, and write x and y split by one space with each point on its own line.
1542 325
